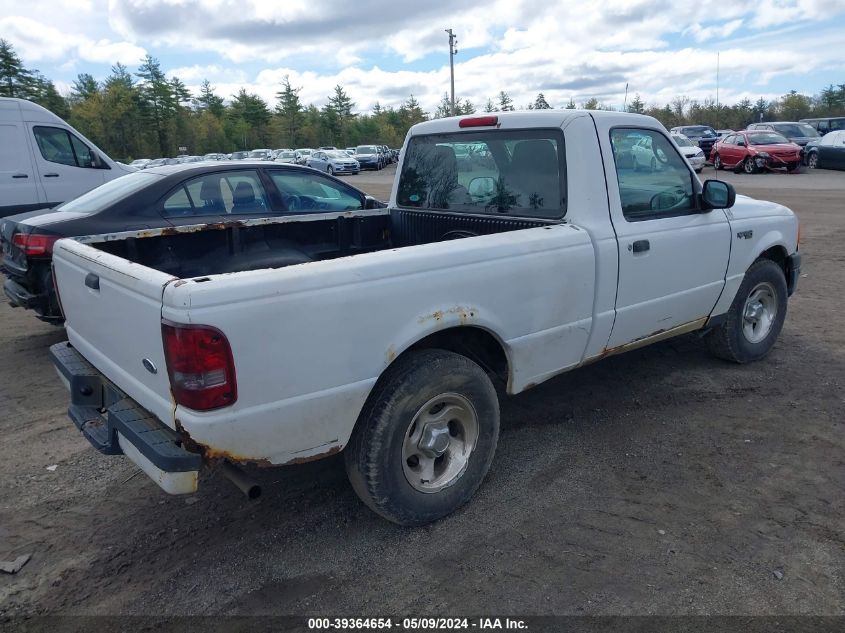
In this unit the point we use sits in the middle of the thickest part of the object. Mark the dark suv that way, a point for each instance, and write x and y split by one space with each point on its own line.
826 124
703 135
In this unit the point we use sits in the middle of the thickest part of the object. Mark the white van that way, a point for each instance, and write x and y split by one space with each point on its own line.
44 161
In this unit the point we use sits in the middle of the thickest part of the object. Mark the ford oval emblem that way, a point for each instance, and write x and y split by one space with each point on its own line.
149 366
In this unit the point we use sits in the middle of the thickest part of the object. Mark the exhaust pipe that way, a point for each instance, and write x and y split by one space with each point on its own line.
245 484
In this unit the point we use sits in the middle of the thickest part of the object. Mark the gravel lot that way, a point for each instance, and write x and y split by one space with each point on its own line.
662 481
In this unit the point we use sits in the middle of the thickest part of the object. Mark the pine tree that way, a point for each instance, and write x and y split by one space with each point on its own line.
289 108
489 107
505 102
84 87
540 103
208 100
158 100
15 80
571 104
637 105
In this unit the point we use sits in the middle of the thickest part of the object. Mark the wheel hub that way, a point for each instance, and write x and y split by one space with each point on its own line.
439 442
759 312
434 439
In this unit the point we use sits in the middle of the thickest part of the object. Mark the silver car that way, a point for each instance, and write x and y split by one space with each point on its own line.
285 156
691 151
302 155
333 162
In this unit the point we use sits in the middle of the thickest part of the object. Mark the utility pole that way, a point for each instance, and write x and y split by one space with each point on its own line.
453 39
717 88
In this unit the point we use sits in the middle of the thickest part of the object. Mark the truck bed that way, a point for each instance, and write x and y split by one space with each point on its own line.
211 249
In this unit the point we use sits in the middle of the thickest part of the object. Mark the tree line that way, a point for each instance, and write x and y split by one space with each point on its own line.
145 114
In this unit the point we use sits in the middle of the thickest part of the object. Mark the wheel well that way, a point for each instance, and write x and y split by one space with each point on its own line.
778 255
475 343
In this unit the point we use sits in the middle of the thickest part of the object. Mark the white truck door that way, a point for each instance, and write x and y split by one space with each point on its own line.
64 163
18 179
672 256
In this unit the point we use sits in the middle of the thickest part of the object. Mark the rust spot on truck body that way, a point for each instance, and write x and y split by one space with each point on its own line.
212 455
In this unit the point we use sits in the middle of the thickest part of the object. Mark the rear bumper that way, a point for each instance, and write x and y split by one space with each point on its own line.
115 424
21 297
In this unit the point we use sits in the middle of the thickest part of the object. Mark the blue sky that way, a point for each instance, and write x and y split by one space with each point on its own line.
384 51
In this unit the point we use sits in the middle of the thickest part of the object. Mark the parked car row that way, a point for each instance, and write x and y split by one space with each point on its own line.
161 197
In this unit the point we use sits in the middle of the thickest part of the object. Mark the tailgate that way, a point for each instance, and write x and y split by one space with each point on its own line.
112 311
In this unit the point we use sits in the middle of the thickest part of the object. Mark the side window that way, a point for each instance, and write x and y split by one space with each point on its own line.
57 145
178 204
82 151
54 145
243 192
312 192
662 186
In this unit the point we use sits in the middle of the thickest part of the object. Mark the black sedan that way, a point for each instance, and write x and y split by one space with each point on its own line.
194 193
828 152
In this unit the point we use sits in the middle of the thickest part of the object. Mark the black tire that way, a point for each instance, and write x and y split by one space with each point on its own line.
374 456
330 170
717 162
813 160
749 166
793 167
728 341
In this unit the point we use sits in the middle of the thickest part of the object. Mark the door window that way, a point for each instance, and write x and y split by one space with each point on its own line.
239 192
647 193
303 191
57 145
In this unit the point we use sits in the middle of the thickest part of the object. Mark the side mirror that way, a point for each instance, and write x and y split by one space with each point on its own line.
372 203
740 143
717 194
482 187
96 161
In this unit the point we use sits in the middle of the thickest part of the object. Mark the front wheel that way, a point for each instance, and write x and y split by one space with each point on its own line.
755 318
330 170
717 162
749 166
813 161
425 438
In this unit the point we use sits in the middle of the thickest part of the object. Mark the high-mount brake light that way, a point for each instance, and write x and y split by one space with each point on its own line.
479 121
200 366
35 244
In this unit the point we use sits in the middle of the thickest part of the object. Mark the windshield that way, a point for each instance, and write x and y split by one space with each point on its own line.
699 130
259 153
491 172
366 149
305 152
766 138
682 141
105 195
286 155
795 130
337 154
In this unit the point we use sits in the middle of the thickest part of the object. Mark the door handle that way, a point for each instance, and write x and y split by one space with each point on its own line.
20 176
92 281
640 246
51 175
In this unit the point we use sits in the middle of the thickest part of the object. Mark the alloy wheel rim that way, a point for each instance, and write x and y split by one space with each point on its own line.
759 312
439 442
749 166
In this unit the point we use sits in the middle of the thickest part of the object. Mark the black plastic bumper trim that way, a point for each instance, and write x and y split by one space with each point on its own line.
793 269
100 410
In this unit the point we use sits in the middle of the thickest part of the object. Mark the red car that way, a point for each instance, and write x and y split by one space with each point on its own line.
754 151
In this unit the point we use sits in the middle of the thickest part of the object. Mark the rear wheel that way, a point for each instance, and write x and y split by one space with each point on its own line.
813 161
425 438
717 162
756 316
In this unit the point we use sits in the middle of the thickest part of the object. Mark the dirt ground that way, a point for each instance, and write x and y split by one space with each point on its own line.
662 481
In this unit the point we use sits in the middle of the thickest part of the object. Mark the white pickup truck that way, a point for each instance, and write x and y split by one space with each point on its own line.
515 247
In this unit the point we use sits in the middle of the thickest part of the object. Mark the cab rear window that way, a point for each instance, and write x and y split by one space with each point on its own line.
519 172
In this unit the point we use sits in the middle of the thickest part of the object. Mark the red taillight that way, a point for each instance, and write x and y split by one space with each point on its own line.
34 244
200 366
479 121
